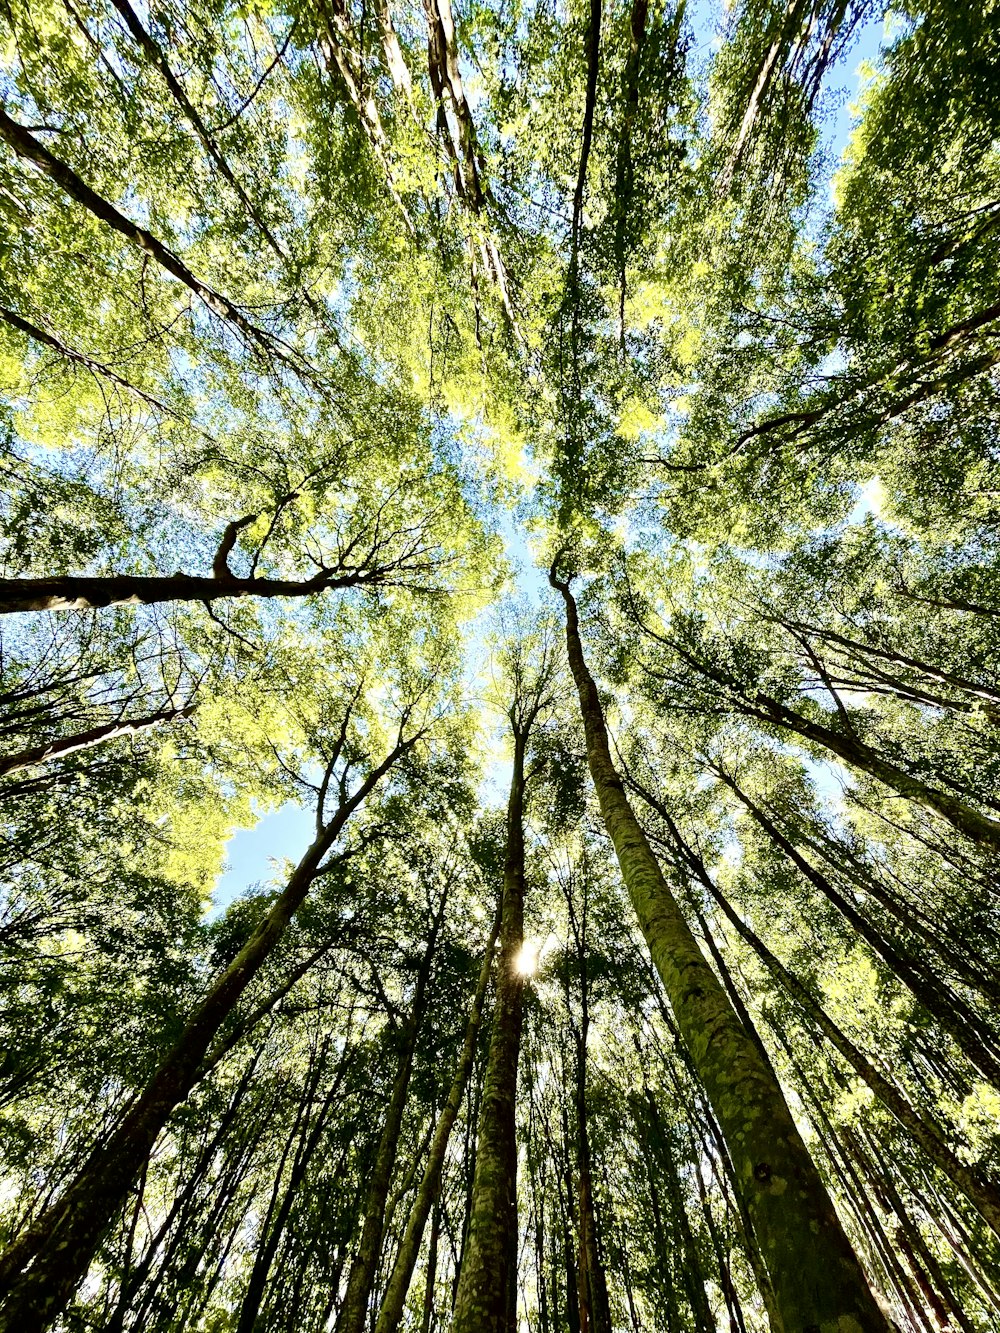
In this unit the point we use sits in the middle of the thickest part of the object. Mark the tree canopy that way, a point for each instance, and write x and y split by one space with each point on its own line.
549 457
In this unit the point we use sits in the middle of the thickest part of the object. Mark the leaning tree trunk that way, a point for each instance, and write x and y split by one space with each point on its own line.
817 1280
484 1282
955 1015
40 1271
402 1273
361 1278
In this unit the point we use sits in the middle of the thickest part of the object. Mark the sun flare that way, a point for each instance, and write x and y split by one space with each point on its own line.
526 958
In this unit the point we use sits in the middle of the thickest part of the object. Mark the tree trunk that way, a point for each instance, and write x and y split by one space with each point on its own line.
84 592
277 1218
361 1278
816 1278
399 1283
982 1193
26 146
482 1298
43 1267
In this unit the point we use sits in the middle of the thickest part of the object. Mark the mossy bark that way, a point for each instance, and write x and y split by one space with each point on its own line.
482 1301
818 1283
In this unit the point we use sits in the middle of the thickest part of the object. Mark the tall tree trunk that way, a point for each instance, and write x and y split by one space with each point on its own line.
432 1254
278 1213
402 1273
361 1278
40 1271
816 1277
595 1311
86 740
482 1298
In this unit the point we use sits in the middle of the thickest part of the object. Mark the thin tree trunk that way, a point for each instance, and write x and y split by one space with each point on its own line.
428 1311
361 1278
402 1273
96 368
816 1277
595 1311
977 827
26 146
43 1267
482 1297
157 57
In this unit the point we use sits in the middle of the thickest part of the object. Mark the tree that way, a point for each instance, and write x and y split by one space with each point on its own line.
670 1004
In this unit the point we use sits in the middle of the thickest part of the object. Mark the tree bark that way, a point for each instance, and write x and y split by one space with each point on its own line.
482 1298
816 1278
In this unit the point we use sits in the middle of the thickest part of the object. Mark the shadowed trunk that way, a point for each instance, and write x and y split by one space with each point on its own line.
83 592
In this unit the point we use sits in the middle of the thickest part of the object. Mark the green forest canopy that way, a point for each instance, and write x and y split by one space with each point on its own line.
518 438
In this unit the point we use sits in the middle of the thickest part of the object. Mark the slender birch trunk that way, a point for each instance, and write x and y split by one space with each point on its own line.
817 1280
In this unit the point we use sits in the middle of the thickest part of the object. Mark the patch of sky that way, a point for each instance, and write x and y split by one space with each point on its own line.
254 854
846 79
829 779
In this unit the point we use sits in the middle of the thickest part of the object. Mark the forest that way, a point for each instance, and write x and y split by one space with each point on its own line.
499 666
